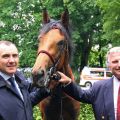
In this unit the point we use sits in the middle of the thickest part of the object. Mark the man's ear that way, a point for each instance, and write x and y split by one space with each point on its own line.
107 64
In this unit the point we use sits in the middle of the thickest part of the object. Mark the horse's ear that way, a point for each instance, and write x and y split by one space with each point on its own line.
65 18
46 18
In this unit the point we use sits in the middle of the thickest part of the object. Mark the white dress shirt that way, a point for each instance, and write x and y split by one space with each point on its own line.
6 77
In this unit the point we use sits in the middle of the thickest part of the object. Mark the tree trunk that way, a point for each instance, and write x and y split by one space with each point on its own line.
86 48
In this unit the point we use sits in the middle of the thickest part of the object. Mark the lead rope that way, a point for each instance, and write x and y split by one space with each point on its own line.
61 107
61 115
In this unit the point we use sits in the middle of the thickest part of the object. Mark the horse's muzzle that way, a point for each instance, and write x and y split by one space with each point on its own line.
38 79
42 79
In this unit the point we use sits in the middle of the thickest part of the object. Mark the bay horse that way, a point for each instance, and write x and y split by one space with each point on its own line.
54 53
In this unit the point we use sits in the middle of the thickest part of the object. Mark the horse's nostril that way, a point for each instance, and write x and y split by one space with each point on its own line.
38 78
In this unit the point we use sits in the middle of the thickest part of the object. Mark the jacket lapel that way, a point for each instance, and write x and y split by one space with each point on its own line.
5 83
23 90
2 82
109 100
14 91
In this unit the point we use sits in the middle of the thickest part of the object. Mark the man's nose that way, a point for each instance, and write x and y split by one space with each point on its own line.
11 59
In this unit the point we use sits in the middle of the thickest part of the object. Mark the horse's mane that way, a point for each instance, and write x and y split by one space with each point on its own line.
66 31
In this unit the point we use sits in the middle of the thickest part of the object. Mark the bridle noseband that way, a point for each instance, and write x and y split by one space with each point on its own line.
57 60
48 54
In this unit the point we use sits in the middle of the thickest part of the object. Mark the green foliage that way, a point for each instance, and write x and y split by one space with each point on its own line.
36 113
111 19
86 112
87 28
20 24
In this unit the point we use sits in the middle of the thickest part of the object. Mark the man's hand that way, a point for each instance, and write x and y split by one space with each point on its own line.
64 79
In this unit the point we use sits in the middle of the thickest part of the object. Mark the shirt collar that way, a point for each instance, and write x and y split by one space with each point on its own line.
116 79
5 76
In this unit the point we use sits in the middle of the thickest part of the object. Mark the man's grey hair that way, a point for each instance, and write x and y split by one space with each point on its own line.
112 50
7 42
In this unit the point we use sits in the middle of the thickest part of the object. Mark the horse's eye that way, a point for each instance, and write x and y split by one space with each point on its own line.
61 43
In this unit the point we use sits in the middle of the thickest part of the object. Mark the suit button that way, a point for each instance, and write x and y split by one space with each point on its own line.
103 117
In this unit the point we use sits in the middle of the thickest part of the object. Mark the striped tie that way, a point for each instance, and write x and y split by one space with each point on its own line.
12 82
118 105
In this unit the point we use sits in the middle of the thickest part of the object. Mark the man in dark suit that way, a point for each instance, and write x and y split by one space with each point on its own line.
103 95
16 101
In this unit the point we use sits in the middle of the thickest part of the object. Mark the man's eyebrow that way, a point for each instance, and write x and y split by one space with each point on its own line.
115 60
10 55
4 55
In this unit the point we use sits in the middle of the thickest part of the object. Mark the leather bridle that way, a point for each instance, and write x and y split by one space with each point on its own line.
57 60
51 73
48 54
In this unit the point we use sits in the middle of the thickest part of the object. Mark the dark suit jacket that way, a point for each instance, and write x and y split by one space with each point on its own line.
12 107
100 95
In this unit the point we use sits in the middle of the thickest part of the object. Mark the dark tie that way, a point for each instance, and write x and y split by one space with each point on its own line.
118 105
12 82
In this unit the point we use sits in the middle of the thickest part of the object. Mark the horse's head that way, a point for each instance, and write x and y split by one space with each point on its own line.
54 48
